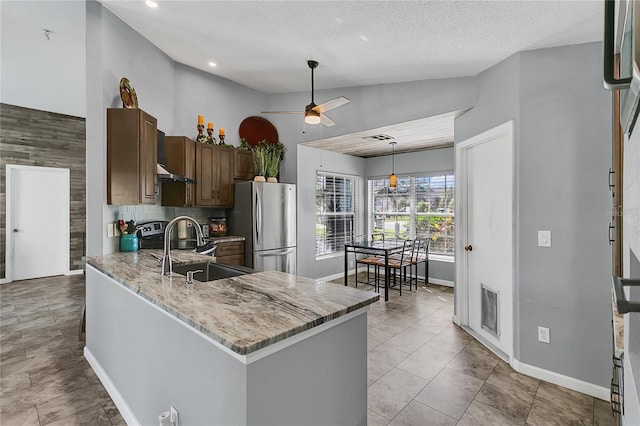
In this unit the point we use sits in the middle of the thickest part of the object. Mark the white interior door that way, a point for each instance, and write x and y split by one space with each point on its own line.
487 241
37 222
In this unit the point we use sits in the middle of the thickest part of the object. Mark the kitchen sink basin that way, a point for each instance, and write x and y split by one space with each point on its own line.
211 271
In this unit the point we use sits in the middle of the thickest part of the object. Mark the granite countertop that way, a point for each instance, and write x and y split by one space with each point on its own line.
226 239
244 313
618 328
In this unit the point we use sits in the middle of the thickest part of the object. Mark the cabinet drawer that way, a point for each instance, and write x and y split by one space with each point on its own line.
230 248
236 259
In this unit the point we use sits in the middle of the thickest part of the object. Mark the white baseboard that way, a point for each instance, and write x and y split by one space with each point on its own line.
4 281
439 281
75 272
335 276
587 388
113 392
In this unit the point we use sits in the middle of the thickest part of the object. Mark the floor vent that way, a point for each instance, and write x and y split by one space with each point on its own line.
489 310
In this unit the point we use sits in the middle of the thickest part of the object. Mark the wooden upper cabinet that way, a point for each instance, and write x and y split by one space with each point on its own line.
214 176
180 154
243 164
132 141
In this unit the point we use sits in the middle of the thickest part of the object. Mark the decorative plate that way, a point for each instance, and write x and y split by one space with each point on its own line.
254 129
128 94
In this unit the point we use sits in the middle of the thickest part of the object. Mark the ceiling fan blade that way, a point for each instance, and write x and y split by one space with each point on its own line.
282 112
326 121
333 103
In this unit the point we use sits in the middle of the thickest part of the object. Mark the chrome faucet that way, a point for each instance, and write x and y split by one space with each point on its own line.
166 257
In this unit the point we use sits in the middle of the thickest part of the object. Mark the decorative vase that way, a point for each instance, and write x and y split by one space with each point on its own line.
259 179
272 180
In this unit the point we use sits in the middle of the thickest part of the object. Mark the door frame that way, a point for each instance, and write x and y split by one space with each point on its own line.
10 169
461 283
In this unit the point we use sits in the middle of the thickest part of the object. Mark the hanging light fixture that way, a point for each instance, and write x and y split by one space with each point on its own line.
393 180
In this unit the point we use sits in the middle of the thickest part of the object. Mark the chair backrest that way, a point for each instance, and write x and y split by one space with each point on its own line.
423 250
380 237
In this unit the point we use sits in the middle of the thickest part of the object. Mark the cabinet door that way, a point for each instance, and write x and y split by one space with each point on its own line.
206 175
148 158
190 171
180 153
225 177
243 164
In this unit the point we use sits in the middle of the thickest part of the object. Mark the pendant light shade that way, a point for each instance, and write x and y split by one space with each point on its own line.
312 117
393 180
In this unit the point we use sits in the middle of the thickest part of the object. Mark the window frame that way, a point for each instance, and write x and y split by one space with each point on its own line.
355 210
413 213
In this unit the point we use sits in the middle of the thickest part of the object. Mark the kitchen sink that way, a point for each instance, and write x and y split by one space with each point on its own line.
211 271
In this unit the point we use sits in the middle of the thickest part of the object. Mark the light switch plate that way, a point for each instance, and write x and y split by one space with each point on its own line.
544 238
109 230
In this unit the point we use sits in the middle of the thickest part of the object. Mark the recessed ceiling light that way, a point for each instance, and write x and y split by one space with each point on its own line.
364 38
213 64
151 4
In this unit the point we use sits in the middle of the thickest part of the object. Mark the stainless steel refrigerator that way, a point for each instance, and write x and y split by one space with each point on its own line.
265 214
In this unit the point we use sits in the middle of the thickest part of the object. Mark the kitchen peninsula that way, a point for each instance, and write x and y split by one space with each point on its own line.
257 349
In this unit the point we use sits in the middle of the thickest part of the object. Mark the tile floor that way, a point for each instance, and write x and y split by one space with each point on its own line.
423 370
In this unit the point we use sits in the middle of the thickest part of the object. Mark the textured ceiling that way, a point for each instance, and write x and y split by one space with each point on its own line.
265 44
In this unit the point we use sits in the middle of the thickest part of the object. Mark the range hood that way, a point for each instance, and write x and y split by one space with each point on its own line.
164 174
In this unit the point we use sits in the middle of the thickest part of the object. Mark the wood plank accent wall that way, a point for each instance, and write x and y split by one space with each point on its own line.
30 137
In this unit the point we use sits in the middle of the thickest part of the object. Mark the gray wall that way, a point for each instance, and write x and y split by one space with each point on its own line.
47 75
312 160
562 147
370 107
429 161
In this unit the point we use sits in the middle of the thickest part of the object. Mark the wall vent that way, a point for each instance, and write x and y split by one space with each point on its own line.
489 310
379 137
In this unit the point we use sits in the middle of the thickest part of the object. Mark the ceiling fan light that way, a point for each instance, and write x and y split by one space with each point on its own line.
312 117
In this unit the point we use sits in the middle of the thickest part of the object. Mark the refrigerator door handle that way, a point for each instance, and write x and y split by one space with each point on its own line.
258 225
277 253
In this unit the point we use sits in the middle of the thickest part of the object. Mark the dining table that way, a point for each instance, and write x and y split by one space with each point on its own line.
375 248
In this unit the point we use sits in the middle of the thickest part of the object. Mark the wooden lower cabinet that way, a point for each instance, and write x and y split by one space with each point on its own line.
180 153
214 176
230 253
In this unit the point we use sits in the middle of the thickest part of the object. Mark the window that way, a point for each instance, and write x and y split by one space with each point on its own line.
420 206
336 212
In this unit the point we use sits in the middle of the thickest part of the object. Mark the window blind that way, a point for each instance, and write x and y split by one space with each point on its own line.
336 211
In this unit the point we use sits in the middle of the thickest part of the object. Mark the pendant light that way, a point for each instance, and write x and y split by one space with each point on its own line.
393 180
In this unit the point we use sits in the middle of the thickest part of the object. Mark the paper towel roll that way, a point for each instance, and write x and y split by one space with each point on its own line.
182 230
164 419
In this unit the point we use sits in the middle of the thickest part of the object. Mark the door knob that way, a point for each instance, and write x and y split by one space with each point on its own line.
16 230
468 248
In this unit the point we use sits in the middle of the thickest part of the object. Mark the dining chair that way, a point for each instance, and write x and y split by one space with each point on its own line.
422 255
396 264
411 260
370 260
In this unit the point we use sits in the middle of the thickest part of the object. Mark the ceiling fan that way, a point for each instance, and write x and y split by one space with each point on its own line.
314 114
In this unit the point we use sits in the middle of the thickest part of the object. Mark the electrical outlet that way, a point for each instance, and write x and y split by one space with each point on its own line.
174 416
543 334
544 238
110 230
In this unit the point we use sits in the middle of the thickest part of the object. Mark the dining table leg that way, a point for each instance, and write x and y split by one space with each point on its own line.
386 276
346 266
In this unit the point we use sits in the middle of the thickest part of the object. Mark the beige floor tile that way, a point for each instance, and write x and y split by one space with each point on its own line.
375 419
450 392
382 359
479 414
425 369
69 404
94 416
389 395
411 339
436 355
544 414
602 414
474 361
416 413
566 399
14 382
27 416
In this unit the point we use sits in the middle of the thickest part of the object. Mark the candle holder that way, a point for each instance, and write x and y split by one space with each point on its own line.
210 139
221 139
201 137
